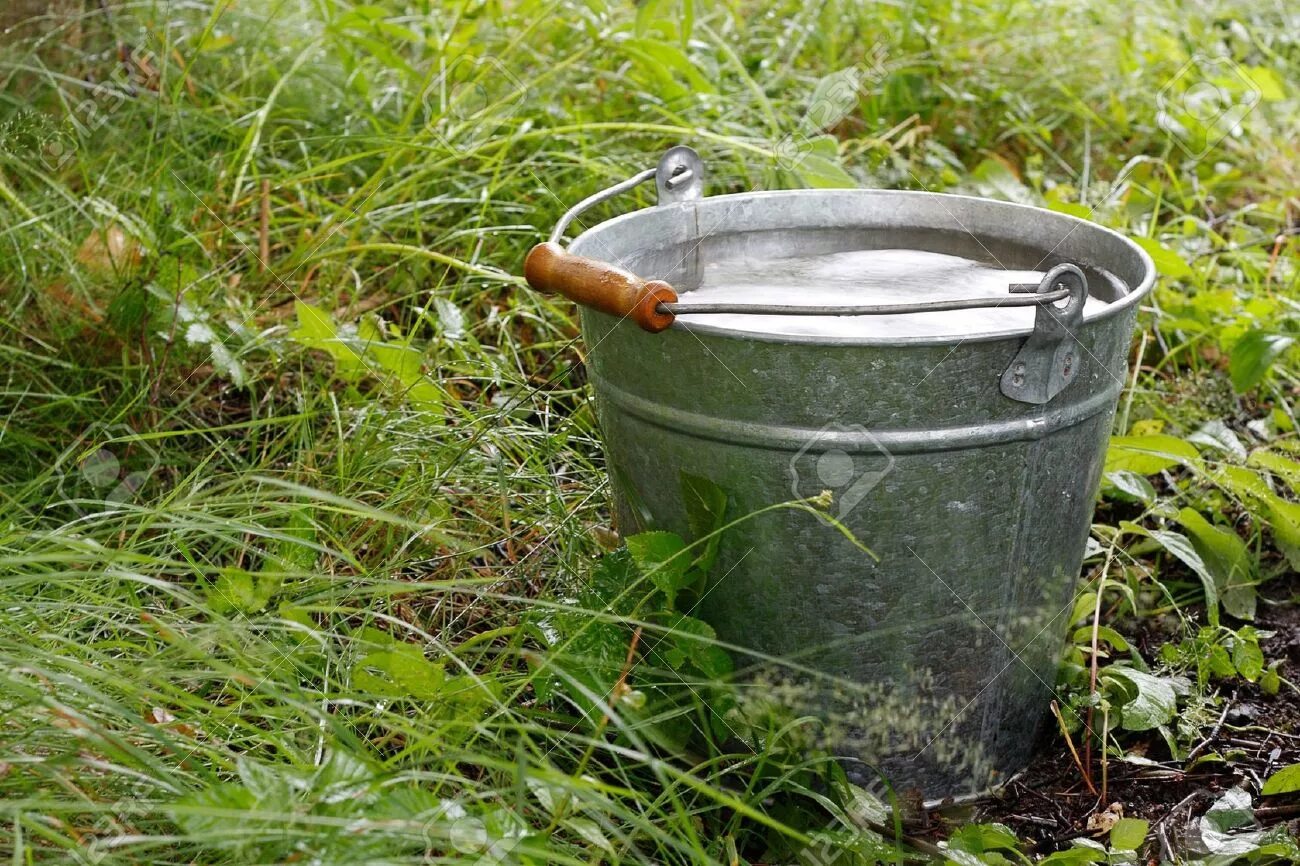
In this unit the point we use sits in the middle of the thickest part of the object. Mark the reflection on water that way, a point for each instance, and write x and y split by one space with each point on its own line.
863 277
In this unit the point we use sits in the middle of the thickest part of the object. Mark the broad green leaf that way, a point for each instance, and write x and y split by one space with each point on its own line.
1252 356
1147 455
1284 781
995 178
1074 857
662 556
1182 549
1084 607
1270 682
1284 516
340 777
297 552
1083 636
405 364
590 831
1217 435
1247 657
1072 208
1167 262
817 162
981 838
316 330
957 857
1132 485
1270 85
1283 467
834 98
1154 704
1223 825
266 782
658 60
1227 559
1128 834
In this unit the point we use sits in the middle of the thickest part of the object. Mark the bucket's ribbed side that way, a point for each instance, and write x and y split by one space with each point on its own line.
934 664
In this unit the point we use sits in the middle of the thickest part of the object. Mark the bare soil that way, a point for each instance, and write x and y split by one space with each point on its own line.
1255 734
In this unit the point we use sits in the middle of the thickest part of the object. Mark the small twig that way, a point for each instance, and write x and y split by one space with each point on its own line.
1069 741
1214 732
1160 824
1277 813
1165 848
1105 764
620 686
1273 258
264 229
1034 819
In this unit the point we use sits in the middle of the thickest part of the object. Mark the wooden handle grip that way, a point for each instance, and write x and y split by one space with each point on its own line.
600 286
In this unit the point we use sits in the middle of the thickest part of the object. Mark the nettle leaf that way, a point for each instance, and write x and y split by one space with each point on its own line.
342 776
1154 702
662 556
994 178
693 642
1284 781
706 506
1149 454
399 672
1253 355
612 584
266 782
237 590
214 812
1228 561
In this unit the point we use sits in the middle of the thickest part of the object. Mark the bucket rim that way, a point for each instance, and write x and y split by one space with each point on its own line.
1068 221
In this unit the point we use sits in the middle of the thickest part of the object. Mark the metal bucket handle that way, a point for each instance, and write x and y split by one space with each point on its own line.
1045 364
605 287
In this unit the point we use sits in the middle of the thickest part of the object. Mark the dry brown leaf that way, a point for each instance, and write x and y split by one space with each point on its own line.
109 250
1100 823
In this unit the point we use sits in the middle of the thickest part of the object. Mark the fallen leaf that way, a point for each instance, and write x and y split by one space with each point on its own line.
109 251
1100 823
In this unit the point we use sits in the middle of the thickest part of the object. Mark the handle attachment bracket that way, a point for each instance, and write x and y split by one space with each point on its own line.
1048 361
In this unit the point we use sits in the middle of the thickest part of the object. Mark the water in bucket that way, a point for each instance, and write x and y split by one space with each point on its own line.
865 277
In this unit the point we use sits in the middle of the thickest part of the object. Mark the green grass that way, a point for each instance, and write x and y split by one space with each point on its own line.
308 629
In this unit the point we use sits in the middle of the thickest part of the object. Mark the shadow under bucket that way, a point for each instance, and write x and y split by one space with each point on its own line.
946 367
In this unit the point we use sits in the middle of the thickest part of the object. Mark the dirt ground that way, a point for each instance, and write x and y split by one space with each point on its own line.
1255 734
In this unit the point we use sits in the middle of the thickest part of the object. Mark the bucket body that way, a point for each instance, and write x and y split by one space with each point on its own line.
934 664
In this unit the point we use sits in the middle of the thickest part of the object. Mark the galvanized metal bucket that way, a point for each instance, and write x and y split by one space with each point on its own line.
967 462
